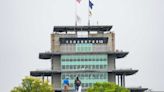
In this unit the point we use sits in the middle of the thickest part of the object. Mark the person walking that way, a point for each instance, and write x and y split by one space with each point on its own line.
66 84
77 84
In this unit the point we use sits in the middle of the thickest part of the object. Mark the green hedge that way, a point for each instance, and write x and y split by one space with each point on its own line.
107 87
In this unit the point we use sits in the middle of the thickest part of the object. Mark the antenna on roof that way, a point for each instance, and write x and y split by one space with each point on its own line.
97 23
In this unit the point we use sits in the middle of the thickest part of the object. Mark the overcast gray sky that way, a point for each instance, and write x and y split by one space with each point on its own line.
26 25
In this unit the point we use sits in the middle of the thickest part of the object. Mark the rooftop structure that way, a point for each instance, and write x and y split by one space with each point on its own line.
91 57
82 28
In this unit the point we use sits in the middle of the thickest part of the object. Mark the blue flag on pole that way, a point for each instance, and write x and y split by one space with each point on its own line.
90 4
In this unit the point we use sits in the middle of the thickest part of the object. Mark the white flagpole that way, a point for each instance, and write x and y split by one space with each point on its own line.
88 14
75 13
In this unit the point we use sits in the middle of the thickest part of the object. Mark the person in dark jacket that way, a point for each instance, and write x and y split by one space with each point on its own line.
77 84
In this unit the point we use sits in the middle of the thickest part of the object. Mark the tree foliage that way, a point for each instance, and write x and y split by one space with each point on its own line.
32 84
106 87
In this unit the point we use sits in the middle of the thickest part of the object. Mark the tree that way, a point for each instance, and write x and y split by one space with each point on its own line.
107 87
32 84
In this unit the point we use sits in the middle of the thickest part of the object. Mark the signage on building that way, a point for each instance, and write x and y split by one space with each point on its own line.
93 40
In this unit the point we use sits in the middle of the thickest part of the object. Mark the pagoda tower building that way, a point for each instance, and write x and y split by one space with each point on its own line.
91 57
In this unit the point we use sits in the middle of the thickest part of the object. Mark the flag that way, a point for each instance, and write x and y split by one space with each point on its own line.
78 1
90 4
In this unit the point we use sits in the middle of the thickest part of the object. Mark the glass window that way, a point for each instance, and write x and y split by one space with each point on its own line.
63 76
82 59
74 76
105 59
85 41
90 76
101 76
89 79
70 41
97 41
93 41
63 59
89 66
78 66
82 84
66 67
97 66
97 75
87 47
74 41
97 59
93 66
78 49
86 84
63 66
94 76
66 75
81 41
82 62
90 84
86 76
86 66
101 66
82 67
86 59
105 66
71 67
89 59
70 60
77 41
71 77
105 76
67 60
66 41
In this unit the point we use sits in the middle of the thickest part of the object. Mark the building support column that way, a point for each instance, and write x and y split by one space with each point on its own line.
43 78
121 80
47 78
76 32
118 79
52 79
